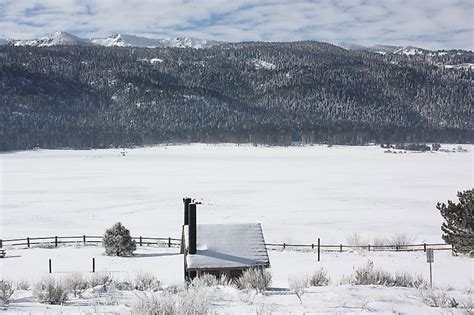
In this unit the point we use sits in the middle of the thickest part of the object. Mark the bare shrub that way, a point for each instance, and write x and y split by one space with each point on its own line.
100 279
437 298
22 285
297 286
319 278
111 294
401 240
51 291
145 281
123 285
355 240
208 280
155 304
468 303
367 275
76 284
192 301
6 292
255 278
404 279
379 243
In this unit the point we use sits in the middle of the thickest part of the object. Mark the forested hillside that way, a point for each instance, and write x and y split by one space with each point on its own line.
275 93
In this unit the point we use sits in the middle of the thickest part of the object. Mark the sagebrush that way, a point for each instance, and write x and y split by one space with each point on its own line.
51 291
255 278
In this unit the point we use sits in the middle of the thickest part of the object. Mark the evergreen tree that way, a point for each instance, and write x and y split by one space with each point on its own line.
118 242
459 226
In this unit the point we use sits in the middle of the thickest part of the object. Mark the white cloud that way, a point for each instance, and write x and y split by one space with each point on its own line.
430 24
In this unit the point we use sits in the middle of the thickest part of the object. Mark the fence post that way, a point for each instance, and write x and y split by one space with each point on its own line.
396 248
55 241
368 247
84 239
169 241
424 247
93 264
50 268
28 242
141 241
1 243
312 246
340 248
319 249
284 245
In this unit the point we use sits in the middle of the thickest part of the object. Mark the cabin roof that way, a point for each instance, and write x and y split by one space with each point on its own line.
228 246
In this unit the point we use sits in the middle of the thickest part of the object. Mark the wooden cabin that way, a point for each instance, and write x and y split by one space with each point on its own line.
220 249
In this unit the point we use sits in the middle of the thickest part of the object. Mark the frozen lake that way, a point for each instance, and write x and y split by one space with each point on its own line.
297 193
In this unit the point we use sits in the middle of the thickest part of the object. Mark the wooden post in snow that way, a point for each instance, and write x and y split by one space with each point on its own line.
319 249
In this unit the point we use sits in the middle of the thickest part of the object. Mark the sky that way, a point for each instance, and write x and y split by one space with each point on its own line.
431 24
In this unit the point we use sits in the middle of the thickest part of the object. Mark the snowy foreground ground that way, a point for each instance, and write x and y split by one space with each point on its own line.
298 194
453 277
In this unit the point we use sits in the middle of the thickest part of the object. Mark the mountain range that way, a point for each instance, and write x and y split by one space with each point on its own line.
71 92
121 40
125 40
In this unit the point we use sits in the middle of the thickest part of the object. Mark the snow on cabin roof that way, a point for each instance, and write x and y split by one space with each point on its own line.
229 246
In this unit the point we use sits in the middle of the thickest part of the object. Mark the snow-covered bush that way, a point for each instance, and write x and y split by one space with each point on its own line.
6 292
76 284
437 298
100 279
22 285
468 303
51 291
404 279
118 242
123 285
255 278
319 278
208 280
145 281
193 301
155 304
367 274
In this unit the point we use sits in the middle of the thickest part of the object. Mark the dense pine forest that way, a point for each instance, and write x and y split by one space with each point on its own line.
272 93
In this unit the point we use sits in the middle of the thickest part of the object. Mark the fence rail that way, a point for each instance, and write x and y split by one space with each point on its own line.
176 242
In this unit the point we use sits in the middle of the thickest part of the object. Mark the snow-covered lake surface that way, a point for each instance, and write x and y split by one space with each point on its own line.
297 193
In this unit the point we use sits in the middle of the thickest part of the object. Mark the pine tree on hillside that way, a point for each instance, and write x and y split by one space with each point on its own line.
459 226
118 242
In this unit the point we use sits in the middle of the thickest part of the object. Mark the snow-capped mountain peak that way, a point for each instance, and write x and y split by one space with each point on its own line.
57 38
125 40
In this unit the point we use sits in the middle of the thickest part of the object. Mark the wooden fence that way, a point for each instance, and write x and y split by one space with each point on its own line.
54 241
83 240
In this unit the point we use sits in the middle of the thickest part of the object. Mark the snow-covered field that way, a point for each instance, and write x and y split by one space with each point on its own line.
297 193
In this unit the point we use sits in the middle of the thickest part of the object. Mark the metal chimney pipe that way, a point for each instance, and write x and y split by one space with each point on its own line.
186 202
192 228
